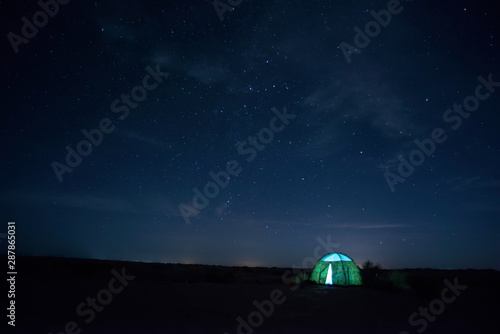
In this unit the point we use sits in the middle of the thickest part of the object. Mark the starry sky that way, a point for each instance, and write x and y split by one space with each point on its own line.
315 121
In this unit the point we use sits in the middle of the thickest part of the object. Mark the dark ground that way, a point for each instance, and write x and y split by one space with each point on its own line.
174 298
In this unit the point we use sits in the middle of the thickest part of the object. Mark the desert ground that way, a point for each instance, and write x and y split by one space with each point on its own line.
62 295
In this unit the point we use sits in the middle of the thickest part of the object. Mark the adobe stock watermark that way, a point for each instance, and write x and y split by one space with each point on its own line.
221 179
427 146
372 29
266 307
94 137
222 7
29 29
96 304
436 306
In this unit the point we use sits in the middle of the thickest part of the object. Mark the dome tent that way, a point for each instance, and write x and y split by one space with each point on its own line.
336 269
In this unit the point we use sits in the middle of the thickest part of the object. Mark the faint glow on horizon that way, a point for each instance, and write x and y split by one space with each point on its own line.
249 263
188 261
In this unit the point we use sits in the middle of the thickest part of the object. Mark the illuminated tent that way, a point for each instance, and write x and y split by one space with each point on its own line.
336 269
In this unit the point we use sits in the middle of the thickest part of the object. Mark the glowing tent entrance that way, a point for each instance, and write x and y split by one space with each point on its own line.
336 269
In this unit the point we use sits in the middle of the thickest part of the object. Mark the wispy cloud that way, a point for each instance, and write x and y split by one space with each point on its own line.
353 98
473 182
74 201
350 106
495 208
367 226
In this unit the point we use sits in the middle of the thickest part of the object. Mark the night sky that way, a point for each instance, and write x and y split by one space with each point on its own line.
316 127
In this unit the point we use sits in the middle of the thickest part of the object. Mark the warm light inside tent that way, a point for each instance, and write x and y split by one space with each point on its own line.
329 275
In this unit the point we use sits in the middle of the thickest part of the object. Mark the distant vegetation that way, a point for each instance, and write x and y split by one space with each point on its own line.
371 274
423 281
375 277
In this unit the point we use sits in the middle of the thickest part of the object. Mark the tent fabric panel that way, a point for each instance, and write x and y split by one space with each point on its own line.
336 257
352 274
319 272
344 258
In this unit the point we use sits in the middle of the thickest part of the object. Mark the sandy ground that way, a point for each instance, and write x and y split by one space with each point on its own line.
51 297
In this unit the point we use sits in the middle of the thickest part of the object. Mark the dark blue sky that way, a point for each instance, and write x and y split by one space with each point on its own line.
181 93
